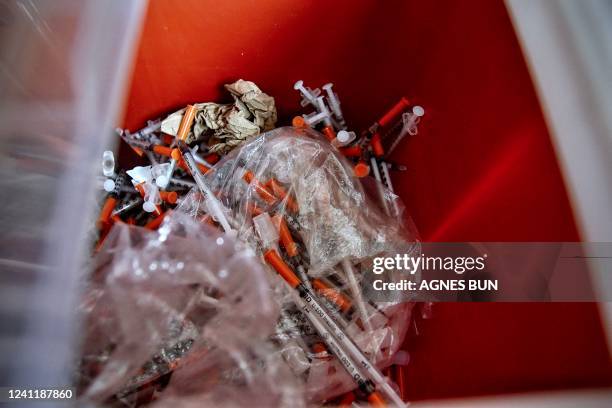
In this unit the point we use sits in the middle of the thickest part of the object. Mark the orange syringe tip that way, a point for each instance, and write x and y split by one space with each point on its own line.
285 235
321 351
183 165
203 168
272 258
207 219
155 222
376 400
253 210
280 192
394 113
262 191
167 139
347 400
137 150
248 176
212 158
351 151
176 154
319 348
107 210
140 188
162 150
101 240
169 196
299 122
291 204
332 295
186 122
329 133
361 169
377 146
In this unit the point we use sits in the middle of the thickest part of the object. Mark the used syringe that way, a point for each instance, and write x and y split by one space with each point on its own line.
214 206
356 292
349 354
379 186
409 127
144 133
338 341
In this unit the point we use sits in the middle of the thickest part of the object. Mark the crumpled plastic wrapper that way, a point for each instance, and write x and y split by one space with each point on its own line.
297 176
228 126
181 314
336 218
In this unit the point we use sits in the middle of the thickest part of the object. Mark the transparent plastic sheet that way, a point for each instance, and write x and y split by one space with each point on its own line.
335 229
54 124
185 309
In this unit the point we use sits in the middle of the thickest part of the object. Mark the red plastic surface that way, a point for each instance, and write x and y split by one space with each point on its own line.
482 168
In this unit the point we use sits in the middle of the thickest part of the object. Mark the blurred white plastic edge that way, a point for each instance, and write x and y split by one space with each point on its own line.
64 72
568 47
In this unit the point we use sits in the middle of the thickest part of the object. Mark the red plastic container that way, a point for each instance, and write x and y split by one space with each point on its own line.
481 169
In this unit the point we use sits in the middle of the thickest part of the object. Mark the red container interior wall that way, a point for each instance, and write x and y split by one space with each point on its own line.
482 168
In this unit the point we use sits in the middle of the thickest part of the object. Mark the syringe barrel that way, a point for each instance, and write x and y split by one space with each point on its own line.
393 113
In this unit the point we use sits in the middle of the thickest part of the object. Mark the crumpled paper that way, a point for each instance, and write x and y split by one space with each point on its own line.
228 125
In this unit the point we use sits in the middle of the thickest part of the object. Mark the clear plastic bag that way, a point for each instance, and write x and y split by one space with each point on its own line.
186 310
328 231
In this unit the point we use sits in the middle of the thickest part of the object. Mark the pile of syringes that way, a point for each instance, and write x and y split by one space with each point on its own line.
295 198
